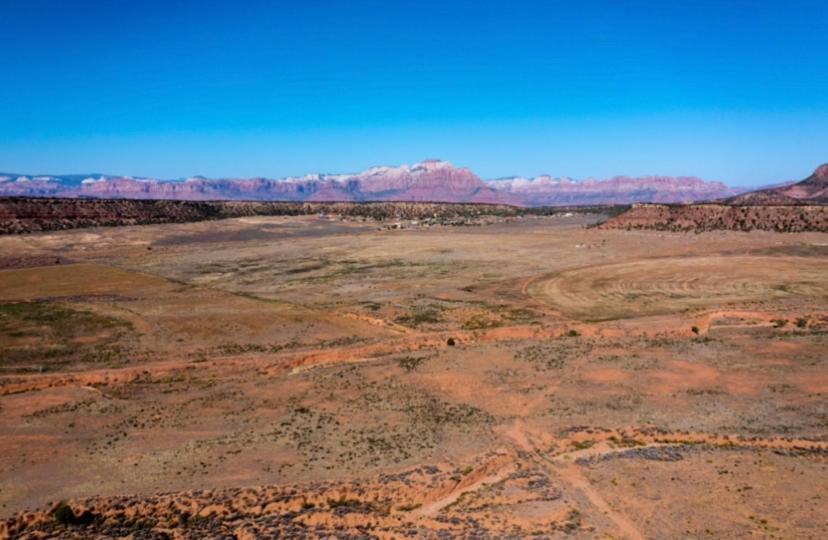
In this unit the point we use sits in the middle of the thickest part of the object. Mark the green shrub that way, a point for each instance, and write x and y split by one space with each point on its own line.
64 515
410 363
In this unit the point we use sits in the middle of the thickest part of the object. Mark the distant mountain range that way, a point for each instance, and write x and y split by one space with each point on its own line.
429 181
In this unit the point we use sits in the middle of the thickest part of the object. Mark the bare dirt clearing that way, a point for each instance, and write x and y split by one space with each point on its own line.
284 376
661 286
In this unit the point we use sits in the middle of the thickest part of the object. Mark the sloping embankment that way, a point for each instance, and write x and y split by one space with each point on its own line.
34 214
708 217
22 215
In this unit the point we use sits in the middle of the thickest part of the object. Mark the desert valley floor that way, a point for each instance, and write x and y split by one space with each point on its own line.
306 376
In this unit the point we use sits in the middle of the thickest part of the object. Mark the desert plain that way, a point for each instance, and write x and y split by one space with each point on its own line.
311 376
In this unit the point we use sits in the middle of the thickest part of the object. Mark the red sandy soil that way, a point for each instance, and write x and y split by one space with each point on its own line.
526 379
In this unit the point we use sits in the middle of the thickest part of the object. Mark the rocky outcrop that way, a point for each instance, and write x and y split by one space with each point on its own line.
812 190
786 208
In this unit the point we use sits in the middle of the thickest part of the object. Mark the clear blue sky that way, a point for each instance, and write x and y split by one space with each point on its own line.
733 90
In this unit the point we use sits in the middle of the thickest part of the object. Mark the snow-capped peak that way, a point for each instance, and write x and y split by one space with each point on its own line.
432 165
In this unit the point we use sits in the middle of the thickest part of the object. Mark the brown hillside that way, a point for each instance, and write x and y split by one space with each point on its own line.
705 217
812 190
